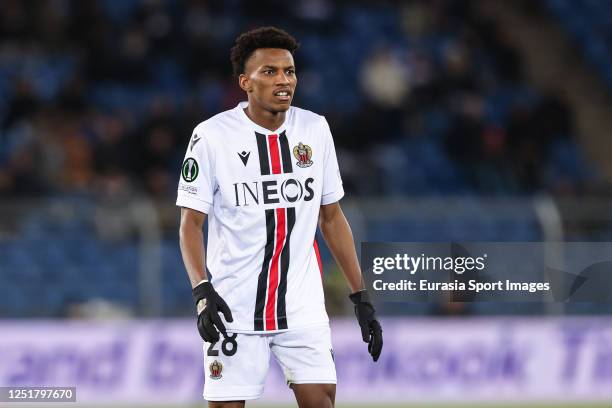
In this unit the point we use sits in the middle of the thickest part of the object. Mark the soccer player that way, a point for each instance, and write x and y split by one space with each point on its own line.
265 173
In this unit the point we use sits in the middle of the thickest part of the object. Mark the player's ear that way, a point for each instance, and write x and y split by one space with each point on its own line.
244 83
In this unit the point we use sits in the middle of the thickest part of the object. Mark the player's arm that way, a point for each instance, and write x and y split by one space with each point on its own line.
208 302
192 244
339 239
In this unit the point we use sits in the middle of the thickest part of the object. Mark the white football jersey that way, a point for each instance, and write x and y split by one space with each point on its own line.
262 192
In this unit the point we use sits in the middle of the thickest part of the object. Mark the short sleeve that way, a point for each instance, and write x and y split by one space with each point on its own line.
197 180
332 181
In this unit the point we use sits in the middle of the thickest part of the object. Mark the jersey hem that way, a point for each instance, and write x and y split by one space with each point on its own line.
297 382
193 203
233 397
251 331
233 393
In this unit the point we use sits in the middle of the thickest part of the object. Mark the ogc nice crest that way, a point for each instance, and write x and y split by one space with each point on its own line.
215 370
303 153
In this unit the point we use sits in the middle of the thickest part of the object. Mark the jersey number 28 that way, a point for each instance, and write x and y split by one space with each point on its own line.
229 346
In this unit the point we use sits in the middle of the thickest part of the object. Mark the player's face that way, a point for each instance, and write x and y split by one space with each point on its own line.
270 79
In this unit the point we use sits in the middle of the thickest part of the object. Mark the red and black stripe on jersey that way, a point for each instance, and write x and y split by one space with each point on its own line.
270 311
270 307
272 149
318 255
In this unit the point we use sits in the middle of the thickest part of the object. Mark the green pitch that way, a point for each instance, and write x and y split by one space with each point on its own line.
479 406
476 405
340 405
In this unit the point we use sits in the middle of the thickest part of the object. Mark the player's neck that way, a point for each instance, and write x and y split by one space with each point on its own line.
266 119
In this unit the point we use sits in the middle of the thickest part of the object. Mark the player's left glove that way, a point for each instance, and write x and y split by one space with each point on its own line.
209 304
371 332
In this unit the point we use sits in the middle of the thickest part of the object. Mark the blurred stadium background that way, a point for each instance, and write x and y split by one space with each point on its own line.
453 120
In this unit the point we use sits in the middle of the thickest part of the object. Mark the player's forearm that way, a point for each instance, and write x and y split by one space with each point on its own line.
192 250
339 239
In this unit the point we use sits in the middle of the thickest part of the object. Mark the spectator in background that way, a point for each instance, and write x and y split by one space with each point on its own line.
71 66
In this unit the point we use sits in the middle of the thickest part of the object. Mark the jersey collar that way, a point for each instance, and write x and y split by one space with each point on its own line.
240 108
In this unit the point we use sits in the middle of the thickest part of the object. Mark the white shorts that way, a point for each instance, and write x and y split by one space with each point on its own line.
236 367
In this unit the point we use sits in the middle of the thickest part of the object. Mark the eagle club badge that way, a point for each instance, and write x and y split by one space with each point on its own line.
215 370
303 153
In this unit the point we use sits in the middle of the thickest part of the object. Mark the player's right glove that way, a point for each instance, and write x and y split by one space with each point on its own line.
209 304
371 332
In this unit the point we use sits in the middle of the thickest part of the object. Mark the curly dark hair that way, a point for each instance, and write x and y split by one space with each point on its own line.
262 37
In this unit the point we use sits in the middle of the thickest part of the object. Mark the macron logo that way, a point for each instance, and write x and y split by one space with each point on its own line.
195 139
244 156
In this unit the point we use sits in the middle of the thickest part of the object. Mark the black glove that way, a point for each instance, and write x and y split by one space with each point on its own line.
208 317
371 332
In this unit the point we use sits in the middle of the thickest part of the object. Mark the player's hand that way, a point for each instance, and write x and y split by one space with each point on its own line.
371 332
209 304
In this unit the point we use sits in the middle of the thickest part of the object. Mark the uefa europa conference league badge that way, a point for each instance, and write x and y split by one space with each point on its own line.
190 170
